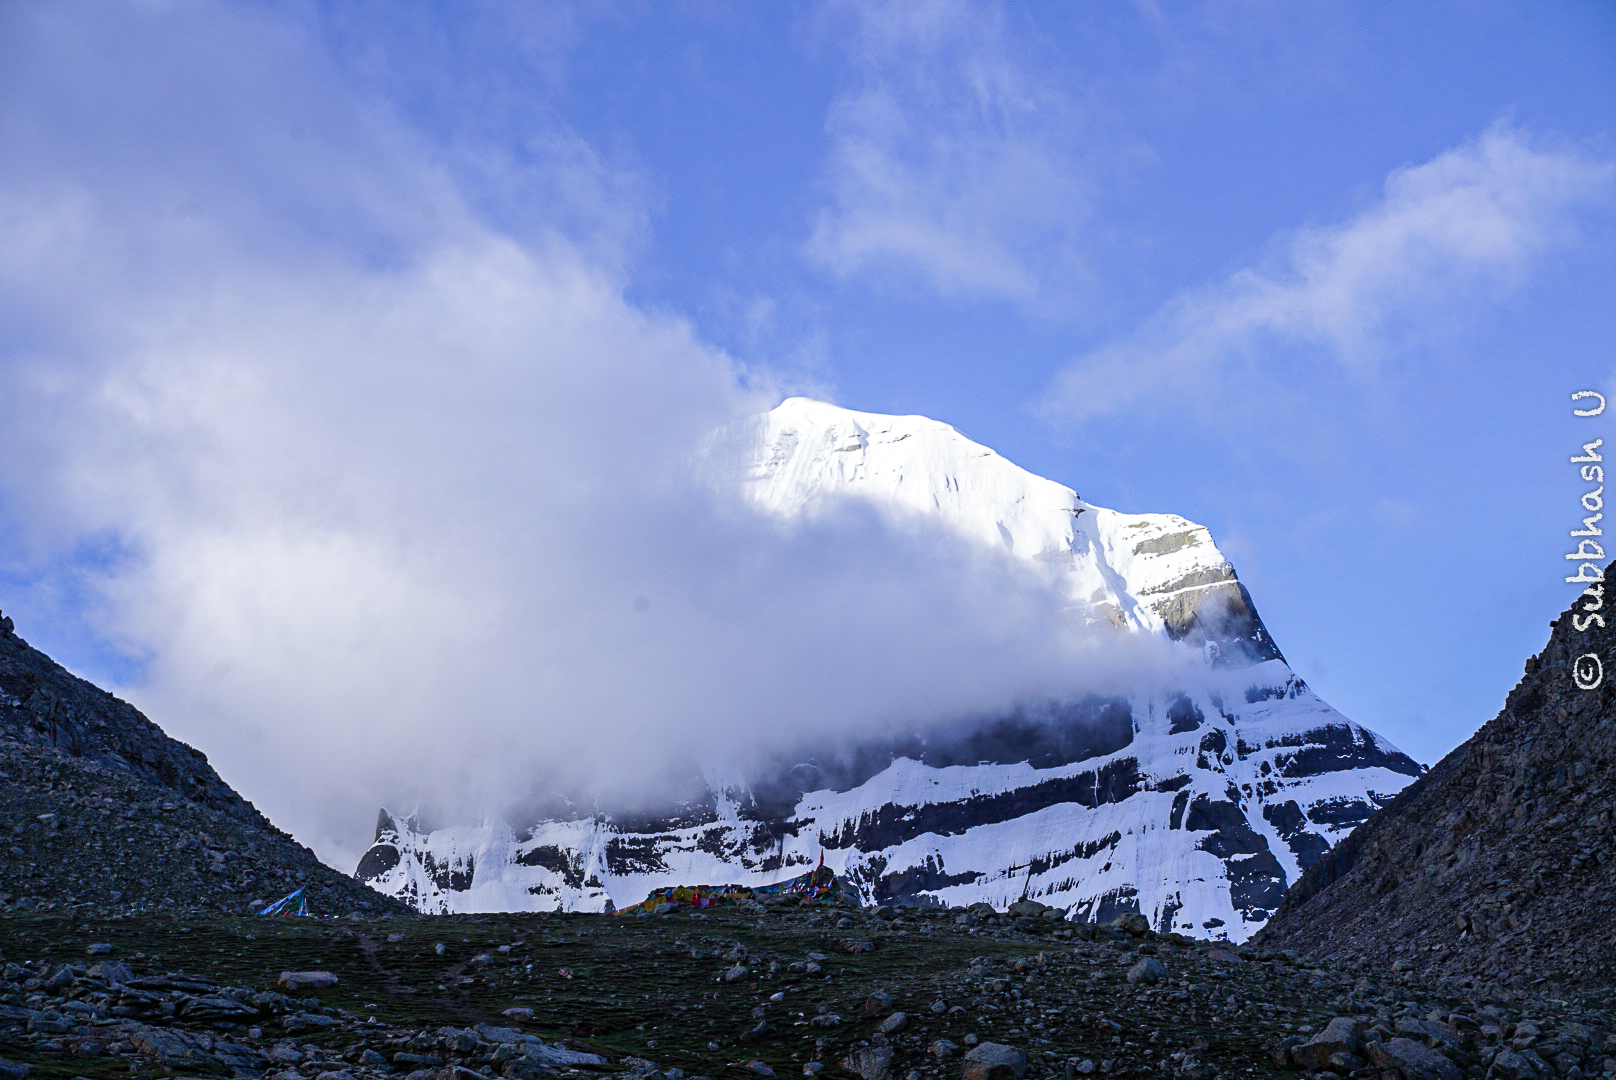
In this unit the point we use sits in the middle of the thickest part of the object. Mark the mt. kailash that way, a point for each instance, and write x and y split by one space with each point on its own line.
1194 804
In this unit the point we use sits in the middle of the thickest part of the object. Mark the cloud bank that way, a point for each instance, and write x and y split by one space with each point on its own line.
393 503
1444 238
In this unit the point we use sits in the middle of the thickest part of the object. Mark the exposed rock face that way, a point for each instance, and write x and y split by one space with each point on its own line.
99 807
1194 805
1500 863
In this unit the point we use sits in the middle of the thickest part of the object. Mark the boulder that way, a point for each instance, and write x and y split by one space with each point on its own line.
1031 909
893 1024
870 1062
1146 971
1509 1065
1415 1061
1342 1035
1133 923
993 1061
306 980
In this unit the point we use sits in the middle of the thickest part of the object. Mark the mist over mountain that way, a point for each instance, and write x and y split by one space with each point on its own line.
1179 769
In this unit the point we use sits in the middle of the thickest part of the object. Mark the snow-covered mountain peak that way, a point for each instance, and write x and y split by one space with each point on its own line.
1151 573
1194 804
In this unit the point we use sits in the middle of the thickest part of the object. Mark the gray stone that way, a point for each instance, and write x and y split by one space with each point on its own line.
1131 922
870 1062
1346 1064
169 1047
112 971
306 980
1342 1035
943 1049
878 1002
759 1068
560 1056
1146 971
893 1024
736 973
13 1070
1030 908
1427 1029
99 948
490 1033
1509 1065
993 1061
1415 1061
519 1013
825 1020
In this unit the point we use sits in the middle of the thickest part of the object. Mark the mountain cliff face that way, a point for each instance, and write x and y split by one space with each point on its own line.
1498 864
1195 804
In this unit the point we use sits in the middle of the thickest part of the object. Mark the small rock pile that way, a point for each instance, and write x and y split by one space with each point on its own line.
1453 1045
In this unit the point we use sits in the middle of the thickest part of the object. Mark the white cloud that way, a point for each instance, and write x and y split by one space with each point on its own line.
1445 237
390 480
954 159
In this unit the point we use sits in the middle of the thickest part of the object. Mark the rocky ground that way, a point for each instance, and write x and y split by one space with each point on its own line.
783 990
1498 864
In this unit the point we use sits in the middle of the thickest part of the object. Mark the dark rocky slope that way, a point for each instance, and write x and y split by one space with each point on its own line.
1498 864
99 807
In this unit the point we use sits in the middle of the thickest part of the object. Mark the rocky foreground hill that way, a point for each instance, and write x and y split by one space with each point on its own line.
1500 863
99 808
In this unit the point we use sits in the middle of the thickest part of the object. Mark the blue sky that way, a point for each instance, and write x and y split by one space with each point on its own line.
1320 277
